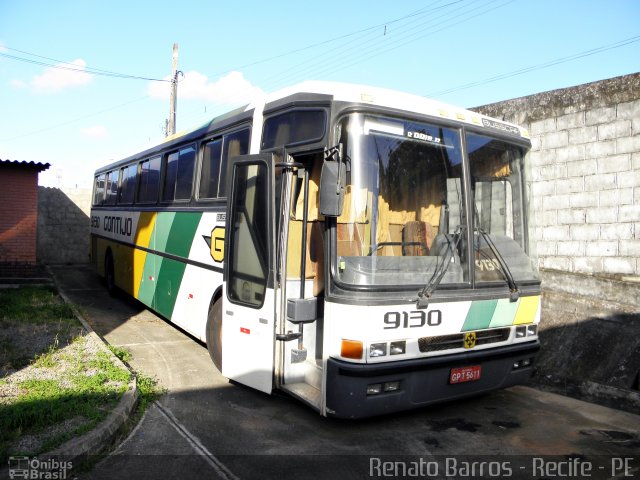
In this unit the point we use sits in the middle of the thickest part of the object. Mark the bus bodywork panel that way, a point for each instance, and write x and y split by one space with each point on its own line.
166 260
421 382
494 342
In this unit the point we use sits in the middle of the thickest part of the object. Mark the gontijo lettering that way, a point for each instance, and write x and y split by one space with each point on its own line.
118 225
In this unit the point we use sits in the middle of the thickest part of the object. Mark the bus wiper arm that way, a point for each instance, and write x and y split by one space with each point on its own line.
424 295
511 282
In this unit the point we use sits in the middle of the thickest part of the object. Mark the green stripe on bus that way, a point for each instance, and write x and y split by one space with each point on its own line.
162 230
169 279
479 315
182 233
148 281
177 241
505 313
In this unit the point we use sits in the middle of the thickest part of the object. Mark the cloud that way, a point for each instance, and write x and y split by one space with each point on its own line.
19 84
232 89
56 79
3 49
96 132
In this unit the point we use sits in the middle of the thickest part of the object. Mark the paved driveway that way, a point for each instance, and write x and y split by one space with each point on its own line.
206 426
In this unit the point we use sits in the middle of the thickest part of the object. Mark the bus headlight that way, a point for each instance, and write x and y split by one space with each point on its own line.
377 349
391 386
523 331
374 389
398 348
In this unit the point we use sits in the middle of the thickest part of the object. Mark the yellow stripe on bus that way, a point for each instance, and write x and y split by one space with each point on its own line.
527 310
146 225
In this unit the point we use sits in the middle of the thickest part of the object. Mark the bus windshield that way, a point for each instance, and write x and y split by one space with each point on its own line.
404 214
499 213
403 202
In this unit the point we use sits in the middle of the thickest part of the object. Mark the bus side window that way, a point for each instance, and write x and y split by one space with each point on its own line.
149 180
111 188
178 177
235 144
289 128
210 169
127 184
98 190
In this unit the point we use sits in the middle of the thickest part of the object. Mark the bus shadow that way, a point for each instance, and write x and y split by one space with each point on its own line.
596 358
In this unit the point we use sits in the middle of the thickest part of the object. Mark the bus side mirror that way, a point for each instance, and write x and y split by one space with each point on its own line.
332 184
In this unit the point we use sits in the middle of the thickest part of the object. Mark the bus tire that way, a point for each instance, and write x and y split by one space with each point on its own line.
214 333
109 274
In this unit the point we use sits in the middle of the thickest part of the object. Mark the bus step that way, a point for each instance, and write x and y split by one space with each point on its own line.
305 392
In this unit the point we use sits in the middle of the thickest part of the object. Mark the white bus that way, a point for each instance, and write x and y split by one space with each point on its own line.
365 250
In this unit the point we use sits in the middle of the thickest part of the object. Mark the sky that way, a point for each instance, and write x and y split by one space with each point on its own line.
84 83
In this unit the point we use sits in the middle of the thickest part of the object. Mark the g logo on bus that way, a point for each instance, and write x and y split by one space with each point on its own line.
470 340
216 244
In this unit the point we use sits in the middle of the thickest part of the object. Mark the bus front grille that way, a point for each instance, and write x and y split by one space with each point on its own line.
450 342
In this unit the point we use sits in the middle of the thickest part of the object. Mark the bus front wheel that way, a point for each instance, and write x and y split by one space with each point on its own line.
214 333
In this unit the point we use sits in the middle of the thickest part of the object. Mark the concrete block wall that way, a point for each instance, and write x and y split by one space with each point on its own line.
63 225
585 174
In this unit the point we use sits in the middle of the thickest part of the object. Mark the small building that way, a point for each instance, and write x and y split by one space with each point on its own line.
18 215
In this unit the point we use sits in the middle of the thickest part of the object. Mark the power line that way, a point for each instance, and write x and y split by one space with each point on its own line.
325 42
355 45
73 67
539 66
69 122
382 46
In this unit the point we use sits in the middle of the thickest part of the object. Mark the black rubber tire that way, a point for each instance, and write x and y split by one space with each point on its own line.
109 274
214 333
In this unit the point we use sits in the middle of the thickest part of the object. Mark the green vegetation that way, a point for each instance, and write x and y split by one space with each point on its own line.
37 305
122 353
33 321
56 382
148 390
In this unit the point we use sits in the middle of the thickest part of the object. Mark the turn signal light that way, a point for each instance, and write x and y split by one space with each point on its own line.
351 349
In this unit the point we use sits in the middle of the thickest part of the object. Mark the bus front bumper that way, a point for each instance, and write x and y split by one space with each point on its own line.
423 381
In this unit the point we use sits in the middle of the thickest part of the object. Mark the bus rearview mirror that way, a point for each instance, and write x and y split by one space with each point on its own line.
332 184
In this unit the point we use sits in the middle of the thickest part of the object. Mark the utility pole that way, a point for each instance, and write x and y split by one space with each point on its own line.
173 100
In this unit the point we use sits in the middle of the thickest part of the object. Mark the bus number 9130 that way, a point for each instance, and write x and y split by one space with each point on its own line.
413 319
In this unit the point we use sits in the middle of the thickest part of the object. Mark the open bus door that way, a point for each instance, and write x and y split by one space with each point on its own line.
249 286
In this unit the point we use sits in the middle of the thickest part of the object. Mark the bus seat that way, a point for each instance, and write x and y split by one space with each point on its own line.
417 237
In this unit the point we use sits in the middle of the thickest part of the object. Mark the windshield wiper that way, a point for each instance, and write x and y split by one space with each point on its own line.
424 295
514 291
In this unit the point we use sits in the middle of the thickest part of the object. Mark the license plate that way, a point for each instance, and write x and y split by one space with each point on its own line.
465 374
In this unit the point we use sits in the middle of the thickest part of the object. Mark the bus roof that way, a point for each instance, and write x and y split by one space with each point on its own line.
354 93
342 92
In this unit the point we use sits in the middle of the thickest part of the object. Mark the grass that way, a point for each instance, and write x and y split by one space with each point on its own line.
122 353
61 377
66 384
33 305
33 321
149 391
148 388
